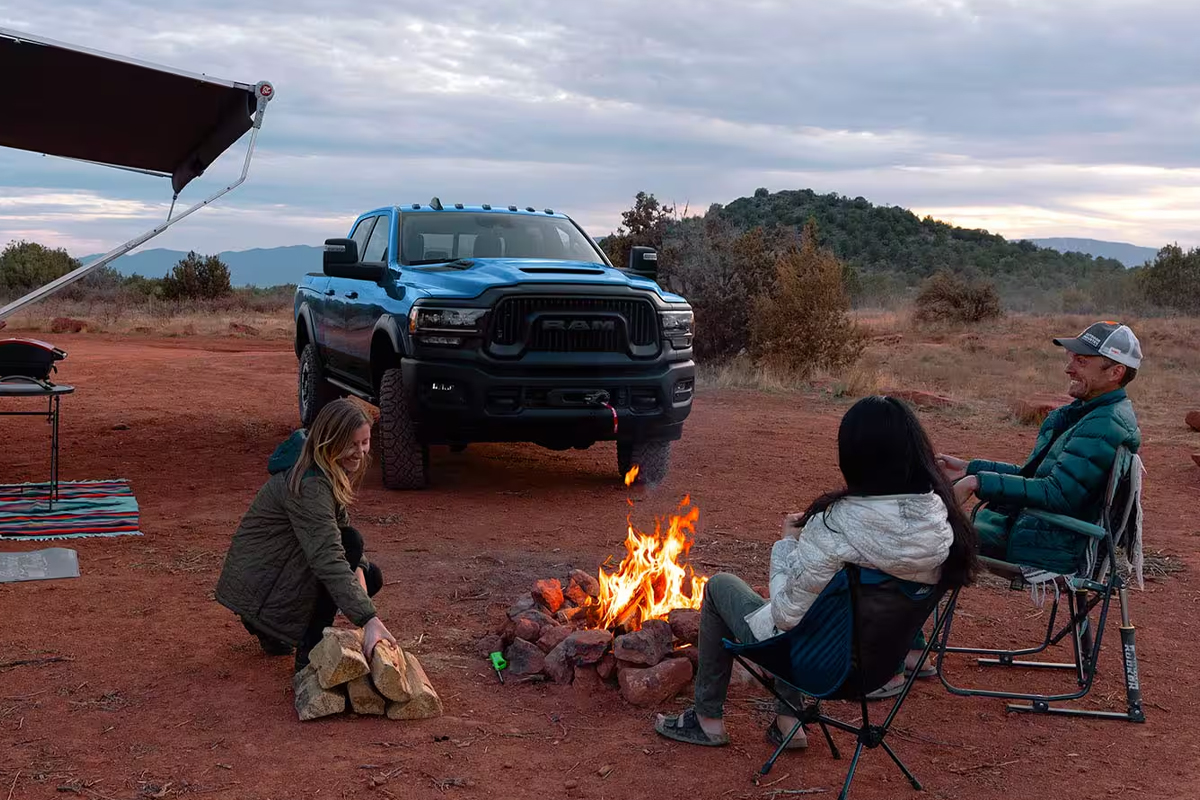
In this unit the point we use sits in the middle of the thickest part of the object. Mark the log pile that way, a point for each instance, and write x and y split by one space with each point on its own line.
338 676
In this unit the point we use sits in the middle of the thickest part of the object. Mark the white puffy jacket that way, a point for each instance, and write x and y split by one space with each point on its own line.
907 536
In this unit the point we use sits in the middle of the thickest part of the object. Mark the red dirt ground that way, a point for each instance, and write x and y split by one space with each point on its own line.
165 695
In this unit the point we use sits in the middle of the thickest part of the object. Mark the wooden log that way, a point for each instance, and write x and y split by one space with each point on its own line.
424 702
338 657
312 699
389 672
363 697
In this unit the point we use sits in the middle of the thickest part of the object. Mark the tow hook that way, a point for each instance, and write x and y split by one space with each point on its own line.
601 399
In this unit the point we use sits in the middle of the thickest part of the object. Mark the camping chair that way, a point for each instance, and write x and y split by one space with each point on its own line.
1113 538
847 644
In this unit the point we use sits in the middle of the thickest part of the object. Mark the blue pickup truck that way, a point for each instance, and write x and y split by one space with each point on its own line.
494 324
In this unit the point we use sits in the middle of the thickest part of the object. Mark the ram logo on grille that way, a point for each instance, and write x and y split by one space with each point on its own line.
582 325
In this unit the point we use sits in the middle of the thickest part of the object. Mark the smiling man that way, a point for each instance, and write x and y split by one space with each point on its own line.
1068 470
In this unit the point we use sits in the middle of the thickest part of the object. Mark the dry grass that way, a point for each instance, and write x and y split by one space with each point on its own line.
155 318
989 367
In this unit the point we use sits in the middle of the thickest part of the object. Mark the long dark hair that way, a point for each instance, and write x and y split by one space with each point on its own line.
883 450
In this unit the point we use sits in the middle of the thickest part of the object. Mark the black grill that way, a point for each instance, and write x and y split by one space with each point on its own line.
575 324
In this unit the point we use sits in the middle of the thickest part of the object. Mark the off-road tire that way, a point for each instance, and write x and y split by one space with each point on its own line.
313 391
404 459
652 458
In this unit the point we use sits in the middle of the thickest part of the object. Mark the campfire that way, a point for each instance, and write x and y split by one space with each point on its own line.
634 626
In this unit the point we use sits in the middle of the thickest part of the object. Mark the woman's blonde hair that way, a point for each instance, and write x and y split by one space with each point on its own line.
330 435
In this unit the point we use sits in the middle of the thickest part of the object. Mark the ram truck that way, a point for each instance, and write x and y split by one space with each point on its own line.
470 324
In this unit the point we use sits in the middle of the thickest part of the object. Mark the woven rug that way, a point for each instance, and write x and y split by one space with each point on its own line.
83 508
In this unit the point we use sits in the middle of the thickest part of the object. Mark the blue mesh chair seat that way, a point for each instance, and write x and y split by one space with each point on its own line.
847 645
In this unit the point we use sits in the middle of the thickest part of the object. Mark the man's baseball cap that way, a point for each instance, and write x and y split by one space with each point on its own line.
1109 339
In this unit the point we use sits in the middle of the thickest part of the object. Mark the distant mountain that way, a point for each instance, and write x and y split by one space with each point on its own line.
1130 255
269 266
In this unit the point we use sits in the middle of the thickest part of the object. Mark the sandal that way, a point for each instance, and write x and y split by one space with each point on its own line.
886 691
775 737
686 728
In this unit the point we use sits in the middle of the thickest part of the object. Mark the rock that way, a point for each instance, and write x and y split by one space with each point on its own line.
1196 458
569 614
492 643
588 583
575 594
389 672
922 399
1034 409
685 624
363 697
424 703
552 638
691 653
606 667
549 593
313 700
527 629
121 426
246 330
586 647
587 680
524 658
558 665
542 619
647 646
521 606
67 325
338 657
888 338
624 665
1193 420
654 685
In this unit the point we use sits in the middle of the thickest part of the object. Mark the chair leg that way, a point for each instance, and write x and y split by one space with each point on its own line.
779 750
916 784
1133 686
832 747
850 775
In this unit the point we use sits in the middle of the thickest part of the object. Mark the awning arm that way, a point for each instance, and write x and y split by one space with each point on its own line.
263 92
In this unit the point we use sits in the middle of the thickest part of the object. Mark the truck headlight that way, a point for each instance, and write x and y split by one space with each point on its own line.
677 327
427 319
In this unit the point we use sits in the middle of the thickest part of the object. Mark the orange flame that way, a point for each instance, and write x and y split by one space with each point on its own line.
651 580
631 476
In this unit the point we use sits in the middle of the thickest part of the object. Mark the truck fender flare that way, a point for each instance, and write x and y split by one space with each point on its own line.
304 317
387 326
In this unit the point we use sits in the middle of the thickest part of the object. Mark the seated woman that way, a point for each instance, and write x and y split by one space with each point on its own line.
295 560
897 514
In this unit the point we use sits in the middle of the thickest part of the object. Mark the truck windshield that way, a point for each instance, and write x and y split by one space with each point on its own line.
438 237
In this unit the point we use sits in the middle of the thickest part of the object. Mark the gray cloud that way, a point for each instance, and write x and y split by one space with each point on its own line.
937 104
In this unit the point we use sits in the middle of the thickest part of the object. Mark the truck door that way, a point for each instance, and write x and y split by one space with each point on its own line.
366 301
333 316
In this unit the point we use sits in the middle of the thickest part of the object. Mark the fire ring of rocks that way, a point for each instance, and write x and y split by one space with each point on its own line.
634 629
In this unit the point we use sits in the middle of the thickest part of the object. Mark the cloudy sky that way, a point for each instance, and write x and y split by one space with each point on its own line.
1026 117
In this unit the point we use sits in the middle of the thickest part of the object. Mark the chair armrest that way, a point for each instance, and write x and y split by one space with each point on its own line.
1070 523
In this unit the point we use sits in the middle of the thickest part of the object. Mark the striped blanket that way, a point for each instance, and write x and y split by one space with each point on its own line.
83 508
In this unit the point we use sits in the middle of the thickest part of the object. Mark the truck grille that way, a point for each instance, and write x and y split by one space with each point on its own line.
578 324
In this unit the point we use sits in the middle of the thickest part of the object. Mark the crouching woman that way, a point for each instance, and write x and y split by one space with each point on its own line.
295 560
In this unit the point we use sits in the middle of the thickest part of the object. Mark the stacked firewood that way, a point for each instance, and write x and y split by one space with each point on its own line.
393 683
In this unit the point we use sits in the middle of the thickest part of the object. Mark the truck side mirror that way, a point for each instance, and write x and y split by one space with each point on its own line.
643 261
340 260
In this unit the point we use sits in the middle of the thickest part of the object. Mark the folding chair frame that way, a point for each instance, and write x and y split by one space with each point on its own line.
867 735
1083 596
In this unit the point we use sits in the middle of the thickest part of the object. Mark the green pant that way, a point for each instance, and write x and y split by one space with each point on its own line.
727 601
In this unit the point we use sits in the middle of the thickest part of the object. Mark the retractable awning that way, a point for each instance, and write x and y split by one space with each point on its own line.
78 103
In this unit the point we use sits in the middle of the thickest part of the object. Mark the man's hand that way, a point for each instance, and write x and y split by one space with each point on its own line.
954 469
374 632
965 488
791 526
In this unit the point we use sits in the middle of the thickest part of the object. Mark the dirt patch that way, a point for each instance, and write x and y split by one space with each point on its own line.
163 697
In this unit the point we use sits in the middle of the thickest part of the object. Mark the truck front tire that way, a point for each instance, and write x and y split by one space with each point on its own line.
404 459
653 460
314 391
